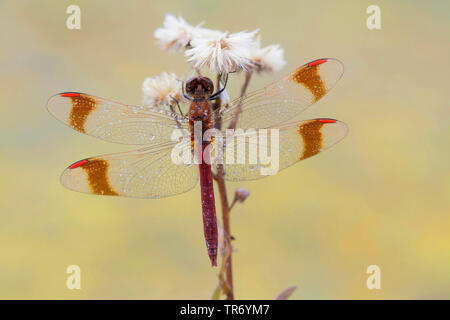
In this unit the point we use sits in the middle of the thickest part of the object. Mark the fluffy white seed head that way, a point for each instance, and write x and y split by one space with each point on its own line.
161 90
207 33
222 52
176 33
270 58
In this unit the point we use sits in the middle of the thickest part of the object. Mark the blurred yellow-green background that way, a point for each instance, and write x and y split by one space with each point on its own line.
381 196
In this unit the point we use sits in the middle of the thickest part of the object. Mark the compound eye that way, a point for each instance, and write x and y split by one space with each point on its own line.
190 87
209 86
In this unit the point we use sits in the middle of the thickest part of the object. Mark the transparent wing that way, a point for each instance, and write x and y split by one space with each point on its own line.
291 142
285 98
144 173
113 121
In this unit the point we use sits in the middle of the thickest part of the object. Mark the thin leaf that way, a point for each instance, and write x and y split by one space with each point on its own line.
216 294
223 270
286 293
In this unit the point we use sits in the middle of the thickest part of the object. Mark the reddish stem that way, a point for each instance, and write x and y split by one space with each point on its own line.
227 288
227 263
235 118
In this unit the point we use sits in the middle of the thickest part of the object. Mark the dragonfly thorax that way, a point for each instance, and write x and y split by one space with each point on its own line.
200 111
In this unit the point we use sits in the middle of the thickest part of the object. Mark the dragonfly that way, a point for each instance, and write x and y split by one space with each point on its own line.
150 171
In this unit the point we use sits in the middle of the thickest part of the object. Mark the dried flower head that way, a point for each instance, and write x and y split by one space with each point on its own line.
176 33
222 52
207 33
270 58
241 194
161 90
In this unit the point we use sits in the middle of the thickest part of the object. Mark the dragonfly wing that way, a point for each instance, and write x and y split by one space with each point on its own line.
295 142
144 173
113 121
285 98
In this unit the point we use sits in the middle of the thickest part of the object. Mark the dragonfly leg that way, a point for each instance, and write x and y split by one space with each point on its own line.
178 105
184 94
217 94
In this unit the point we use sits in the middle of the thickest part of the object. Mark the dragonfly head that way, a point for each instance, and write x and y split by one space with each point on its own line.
199 87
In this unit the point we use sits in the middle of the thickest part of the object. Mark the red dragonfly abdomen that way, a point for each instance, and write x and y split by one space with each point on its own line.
201 89
208 210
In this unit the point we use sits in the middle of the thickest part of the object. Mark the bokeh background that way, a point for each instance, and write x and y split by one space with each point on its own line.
381 196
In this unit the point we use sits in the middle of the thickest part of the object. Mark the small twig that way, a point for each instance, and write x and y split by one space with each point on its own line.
239 196
233 203
236 114
286 293
218 103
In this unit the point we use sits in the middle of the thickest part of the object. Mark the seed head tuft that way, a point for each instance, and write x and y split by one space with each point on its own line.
222 52
161 90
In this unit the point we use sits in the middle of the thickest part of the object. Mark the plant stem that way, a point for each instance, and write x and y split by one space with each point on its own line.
233 123
227 262
226 272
